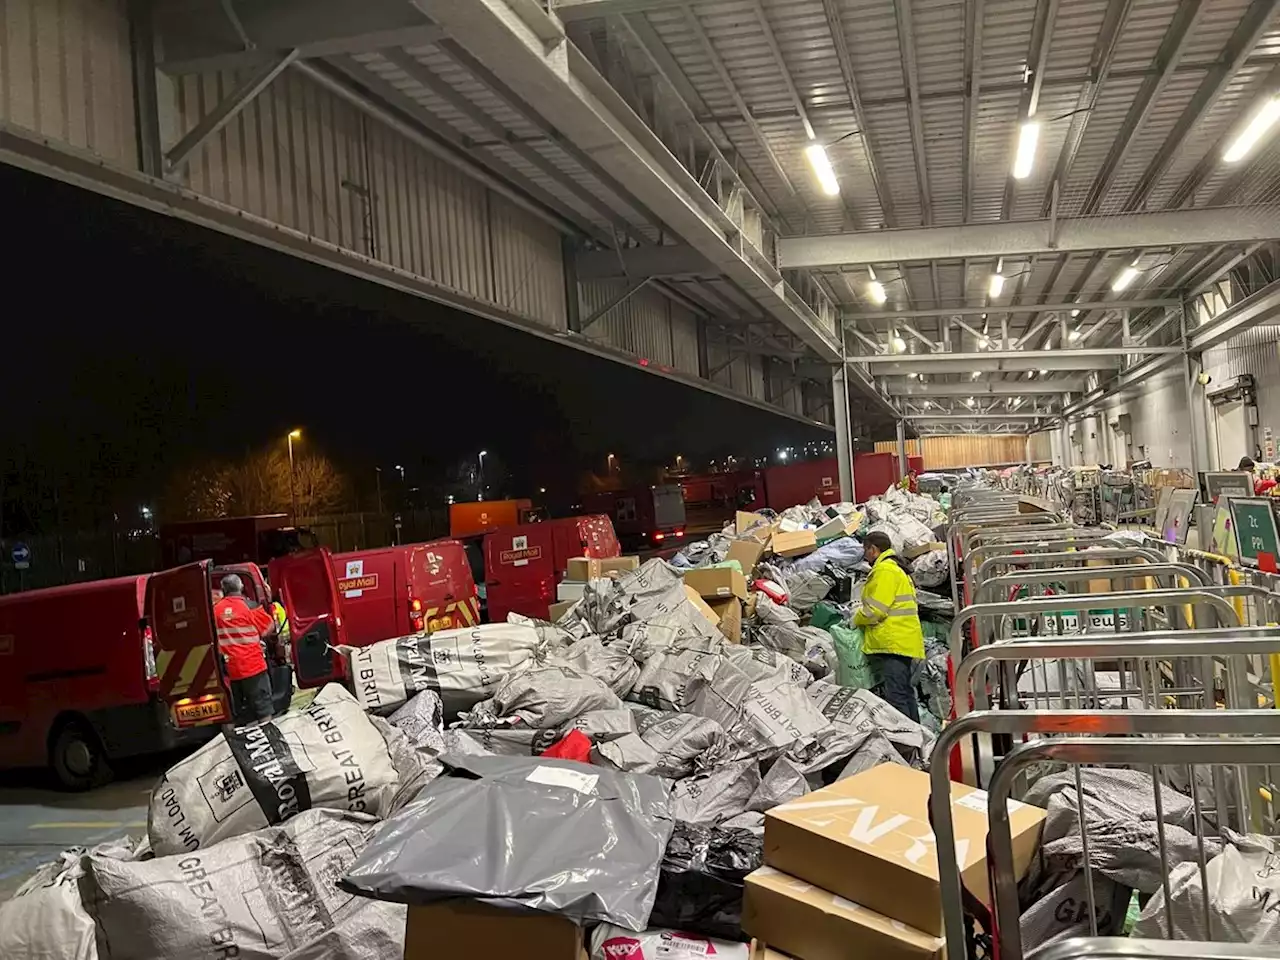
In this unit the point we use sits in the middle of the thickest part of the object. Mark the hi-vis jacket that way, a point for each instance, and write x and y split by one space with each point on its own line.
241 629
888 614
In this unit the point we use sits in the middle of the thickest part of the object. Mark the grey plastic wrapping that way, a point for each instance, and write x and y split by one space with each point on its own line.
611 663
862 710
542 698
548 835
706 799
422 720
257 897
1244 894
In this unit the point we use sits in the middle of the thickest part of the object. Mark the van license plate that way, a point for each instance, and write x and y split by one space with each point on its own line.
193 714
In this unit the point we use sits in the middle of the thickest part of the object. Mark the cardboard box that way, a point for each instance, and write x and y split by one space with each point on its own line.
703 607
794 544
868 839
912 552
764 527
747 553
570 590
464 928
558 610
589 568
717 583
808 922
729 617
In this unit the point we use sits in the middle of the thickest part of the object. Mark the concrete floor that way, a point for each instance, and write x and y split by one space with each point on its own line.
37 822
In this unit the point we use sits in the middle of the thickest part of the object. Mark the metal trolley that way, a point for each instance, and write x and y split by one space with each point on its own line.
1172 688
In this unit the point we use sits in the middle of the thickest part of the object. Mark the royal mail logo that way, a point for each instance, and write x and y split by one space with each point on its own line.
368 582
623 948
514 556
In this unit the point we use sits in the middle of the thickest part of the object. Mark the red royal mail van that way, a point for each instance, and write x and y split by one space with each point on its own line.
396 591
83 681
523 564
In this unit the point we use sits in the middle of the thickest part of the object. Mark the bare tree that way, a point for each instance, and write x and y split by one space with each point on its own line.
259 482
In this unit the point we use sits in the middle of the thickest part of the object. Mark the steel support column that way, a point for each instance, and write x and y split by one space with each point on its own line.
1193 366
902 448
844 434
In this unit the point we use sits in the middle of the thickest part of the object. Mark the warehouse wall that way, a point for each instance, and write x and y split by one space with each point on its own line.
647 324
1255 352
963 450
66 74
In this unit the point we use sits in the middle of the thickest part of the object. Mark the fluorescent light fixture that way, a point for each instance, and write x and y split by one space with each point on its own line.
1124 278
1028 137
984 342
1262 121
1043 372
969 402
1075 313
911 376
822 169
977 374
997 284
899 345
1074 335
875 290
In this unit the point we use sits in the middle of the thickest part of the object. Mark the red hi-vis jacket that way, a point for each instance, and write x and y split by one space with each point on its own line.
240 632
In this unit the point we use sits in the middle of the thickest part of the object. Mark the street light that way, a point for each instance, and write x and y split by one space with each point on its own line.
293 475
609 463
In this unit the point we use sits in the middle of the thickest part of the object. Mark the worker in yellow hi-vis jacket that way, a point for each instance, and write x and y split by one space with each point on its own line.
890 622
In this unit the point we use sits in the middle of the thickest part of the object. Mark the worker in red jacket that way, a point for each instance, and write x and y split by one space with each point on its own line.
244 628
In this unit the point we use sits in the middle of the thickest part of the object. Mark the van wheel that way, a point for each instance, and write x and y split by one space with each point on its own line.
77 757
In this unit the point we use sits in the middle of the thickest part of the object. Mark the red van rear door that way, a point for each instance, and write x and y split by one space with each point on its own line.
179 612
441 583
309 593
520 575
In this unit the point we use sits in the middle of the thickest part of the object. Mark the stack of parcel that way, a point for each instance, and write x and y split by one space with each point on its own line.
649 763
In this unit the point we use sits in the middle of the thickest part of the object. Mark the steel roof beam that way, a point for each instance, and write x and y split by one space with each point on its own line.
907 51
438 87
973 22
1261 307
991 240
1248 33
992 358
1166 59
908 387
1012 417
1014 362
1037 57
570 10
722 72
1081 305
835 25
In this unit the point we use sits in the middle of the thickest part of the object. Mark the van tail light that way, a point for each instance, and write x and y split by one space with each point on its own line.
679 533
417 623
415 606
149 659
659 536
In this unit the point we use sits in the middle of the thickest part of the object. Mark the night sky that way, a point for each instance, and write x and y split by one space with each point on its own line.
133 343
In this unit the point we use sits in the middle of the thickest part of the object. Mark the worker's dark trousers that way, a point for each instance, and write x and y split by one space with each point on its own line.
893 682
251 698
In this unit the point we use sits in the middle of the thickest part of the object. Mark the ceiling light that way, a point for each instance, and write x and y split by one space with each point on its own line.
1030 374
899 345
822 169
984 342
977 374
1074 335
1043 372
1075 313
875 290
969 402
1125 277
1028 137
911 376
1262 121
997 284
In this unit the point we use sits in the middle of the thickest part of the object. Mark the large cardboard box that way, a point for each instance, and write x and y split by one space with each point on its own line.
919 551
810 923
794 544
570 590
465 928
746 552
589 568
729 617
717 583
703 607
868 839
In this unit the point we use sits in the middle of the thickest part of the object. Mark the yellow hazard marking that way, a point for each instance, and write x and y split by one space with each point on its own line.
163 659
195 657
